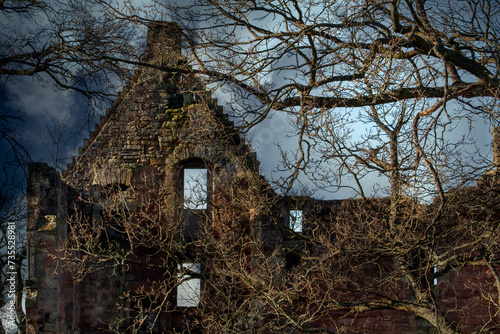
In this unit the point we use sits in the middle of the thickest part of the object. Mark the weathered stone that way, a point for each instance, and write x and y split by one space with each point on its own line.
128 148
157 162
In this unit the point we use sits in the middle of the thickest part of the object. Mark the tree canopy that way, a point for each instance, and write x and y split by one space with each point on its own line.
64 44
407 72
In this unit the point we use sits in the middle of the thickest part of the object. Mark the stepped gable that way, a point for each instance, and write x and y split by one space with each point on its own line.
160 119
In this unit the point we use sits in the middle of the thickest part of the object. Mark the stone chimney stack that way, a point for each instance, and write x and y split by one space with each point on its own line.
164 44
496 147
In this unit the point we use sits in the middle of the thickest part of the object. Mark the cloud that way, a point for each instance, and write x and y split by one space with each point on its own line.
50 115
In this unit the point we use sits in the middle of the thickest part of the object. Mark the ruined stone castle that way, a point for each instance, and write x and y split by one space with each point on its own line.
164 134
163 128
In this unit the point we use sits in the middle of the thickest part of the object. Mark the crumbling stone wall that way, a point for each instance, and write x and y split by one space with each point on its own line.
47 203
157 125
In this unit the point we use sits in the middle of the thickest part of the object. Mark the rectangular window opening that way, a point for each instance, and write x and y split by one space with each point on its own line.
195 188
435 270
295 220
189 288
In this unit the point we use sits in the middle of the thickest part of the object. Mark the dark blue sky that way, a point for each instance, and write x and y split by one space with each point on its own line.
48 123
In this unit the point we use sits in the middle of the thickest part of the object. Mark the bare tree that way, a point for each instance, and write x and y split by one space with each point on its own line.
349 261
189 259
394 88
415 69
66 44
371 87
396 76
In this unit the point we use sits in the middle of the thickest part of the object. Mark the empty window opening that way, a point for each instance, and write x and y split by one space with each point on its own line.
435 271
189 288
295 220
195 188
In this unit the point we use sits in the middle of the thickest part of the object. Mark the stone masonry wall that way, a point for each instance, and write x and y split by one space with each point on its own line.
158 123
46 214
